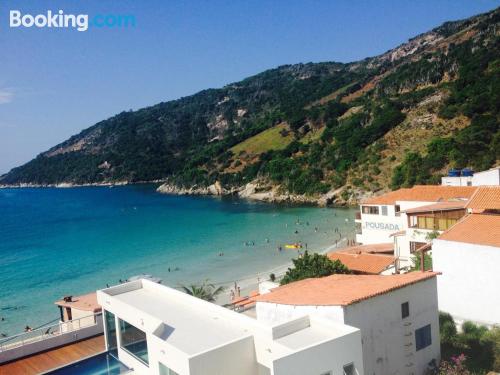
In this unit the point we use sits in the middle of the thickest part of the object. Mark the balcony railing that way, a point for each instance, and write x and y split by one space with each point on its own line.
49 331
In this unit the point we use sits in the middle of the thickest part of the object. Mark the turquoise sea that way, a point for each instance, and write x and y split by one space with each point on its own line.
56 242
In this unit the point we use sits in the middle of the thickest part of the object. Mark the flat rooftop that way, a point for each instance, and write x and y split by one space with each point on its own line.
305 337
194 326
181 321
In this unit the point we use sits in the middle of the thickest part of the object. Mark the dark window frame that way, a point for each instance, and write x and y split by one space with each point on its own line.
405 310
423 337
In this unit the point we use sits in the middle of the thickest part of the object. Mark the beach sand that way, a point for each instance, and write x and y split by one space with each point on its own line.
251 283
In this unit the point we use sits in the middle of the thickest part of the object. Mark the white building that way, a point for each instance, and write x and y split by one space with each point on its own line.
393 217
468 255
489 177
158 330
397 315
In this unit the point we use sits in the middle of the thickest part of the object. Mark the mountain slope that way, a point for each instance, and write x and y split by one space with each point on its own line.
393 120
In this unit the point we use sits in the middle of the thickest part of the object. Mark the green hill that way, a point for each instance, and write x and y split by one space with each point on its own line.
392 120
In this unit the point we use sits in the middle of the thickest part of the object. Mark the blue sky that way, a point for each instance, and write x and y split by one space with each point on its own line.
56 82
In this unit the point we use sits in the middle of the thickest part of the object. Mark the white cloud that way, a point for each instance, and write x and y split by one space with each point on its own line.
6 96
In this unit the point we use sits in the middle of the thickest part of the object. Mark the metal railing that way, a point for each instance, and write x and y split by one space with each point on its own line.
48 332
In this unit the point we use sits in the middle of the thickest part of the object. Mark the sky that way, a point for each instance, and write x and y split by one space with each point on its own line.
54 82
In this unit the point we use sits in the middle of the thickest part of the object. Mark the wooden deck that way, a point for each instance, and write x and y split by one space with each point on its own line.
38 363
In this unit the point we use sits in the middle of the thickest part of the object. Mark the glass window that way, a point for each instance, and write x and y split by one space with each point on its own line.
423 337
384 210
164 370
133 340
442 224
372 210
110 330
405 310
349 369
397 209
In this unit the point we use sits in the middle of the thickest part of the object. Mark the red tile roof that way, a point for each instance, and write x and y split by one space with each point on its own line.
480 229
424 193
341 290
440 206
485 198
364 263
379 248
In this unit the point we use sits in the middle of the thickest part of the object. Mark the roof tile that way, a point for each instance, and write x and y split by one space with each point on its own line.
424 193
364 263
480 229
341 290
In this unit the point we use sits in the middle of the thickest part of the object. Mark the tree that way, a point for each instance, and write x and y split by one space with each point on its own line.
205 291
427 262
315 265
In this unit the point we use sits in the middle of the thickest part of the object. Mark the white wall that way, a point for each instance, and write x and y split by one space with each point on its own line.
331 356
383 329
234 358
469 288
456 181
272 313
490 177
378 228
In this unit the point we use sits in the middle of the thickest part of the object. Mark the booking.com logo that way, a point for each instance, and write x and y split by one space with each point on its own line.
80 22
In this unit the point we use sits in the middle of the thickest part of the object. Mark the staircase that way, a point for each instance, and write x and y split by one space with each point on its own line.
409 345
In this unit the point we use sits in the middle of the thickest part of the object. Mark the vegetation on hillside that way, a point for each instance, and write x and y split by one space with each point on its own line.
309 128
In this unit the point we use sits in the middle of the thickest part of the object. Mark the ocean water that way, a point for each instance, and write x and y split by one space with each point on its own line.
56 242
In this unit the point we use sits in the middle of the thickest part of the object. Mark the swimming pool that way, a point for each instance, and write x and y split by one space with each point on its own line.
100 364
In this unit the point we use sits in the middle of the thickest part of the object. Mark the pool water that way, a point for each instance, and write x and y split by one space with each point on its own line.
101 364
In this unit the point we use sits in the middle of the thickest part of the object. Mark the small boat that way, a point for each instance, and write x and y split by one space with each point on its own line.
293 246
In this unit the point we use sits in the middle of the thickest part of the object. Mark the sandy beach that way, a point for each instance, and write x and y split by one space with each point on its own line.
251 283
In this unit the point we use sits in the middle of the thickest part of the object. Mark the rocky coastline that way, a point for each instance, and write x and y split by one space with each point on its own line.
258 190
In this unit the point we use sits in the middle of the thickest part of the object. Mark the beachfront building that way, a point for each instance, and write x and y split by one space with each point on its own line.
397 315
468 254
410 218
155 329
466 177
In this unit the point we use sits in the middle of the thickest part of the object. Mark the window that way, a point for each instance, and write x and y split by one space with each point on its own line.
110 324
405 310
384 210
423 337
133 340
349 369
397 210
372 210
164 370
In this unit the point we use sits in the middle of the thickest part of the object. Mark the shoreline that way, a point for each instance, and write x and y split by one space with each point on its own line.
250 283
247 192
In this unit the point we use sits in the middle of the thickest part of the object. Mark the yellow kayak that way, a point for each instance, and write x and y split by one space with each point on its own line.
293 246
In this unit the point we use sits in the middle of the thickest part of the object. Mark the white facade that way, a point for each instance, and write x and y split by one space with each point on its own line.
489 177
389 345
392 227
456 181
484 178
176 334
469 286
